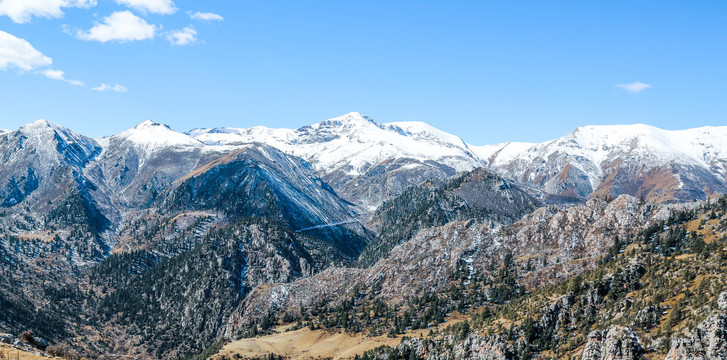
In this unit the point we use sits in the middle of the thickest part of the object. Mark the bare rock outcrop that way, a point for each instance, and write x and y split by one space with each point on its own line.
707 341
615 343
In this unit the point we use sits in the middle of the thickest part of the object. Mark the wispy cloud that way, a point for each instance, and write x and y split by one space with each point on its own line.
22 11
186 36
164 7
107 87
634 87
60 75
121 26
18 53
207 16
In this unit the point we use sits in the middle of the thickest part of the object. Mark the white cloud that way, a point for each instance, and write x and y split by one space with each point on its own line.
120 26
15 52
60 75
107 87
21 11
186 36
208 16
634 87
165 7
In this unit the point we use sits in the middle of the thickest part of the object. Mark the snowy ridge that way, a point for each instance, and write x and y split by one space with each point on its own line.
367 162
51 140
597 151
151 135
353 143
498 154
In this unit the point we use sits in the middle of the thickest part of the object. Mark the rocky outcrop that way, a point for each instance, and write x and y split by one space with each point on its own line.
474 346
615 343
707 341
648 317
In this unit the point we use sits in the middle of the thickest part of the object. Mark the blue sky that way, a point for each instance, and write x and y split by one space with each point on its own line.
488 71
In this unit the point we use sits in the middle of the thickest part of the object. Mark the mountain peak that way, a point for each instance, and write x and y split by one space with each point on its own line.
148 123
149 132
41 124
350 118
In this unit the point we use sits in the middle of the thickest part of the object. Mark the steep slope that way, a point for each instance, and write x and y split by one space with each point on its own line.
269 219
261 181
476 195
638 160
208 222
50 225
658 294
462 259
138 164
39 158
43 187
364 161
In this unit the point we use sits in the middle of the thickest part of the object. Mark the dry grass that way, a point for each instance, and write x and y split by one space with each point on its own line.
307 344
9 353
316 344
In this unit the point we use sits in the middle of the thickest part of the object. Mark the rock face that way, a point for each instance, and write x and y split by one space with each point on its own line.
473 347
616 343
708 341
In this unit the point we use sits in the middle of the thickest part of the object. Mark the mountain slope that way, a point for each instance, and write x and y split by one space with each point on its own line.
364 161
476 195
139 163
261 181
483 263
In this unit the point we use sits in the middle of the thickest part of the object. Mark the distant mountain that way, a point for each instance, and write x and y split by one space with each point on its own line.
43 186
364 161
368 163
139 163
606 161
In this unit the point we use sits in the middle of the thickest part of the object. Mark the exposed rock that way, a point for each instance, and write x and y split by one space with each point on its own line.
474 346
648 317
722 301
706 342
7 338
616 343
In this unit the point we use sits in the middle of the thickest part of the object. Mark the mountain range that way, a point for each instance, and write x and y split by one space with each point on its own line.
161 243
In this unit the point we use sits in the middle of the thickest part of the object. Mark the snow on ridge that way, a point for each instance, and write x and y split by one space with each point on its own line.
687 146
51 140
151 134
352 143
423 130
501 153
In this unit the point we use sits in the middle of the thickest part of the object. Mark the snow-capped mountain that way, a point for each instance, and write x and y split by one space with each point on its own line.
367 163
364 161
139 163
42 160
640 160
